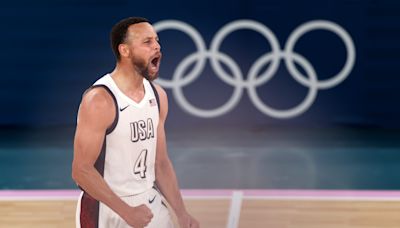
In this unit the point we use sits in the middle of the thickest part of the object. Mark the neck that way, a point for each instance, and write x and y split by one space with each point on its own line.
127 78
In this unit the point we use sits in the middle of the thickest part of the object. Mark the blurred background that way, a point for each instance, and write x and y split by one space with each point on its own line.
248 122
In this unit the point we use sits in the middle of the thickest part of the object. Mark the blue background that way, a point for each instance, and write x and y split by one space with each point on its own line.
53 50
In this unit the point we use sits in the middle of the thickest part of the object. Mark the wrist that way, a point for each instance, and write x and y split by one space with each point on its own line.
181 212
125 211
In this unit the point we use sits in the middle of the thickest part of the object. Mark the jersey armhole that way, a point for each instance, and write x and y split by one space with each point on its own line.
114 123
156 94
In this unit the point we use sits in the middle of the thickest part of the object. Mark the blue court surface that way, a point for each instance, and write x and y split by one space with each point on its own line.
259 158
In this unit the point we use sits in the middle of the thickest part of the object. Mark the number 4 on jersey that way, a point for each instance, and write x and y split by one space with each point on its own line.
140 164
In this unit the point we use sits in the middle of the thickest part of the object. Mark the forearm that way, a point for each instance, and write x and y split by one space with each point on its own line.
168 184
93 183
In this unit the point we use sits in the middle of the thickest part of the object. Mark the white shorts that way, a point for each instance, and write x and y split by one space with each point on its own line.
91 213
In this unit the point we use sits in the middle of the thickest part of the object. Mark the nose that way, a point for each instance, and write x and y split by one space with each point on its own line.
157 46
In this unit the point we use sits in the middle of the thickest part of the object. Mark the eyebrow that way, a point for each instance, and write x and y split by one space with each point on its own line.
151 37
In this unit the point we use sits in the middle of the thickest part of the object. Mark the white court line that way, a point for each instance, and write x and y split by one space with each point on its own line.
39 198
323 198
207 197
298 198
75 198
234 211
73 195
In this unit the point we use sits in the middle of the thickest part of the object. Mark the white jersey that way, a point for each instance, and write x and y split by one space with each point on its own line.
128 155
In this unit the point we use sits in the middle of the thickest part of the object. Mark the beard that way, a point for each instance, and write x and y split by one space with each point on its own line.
143 69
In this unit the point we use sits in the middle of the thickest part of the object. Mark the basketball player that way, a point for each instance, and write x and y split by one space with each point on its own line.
120 145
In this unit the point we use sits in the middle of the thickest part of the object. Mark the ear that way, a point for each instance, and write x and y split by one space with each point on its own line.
124 50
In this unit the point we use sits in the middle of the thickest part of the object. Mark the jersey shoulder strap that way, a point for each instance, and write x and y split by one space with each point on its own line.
156 94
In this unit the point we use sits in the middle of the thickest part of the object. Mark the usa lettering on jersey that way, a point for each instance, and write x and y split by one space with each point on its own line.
142 130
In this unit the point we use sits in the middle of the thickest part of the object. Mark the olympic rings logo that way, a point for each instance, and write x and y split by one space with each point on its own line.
236 80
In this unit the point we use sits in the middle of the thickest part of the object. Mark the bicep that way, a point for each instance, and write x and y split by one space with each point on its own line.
87 143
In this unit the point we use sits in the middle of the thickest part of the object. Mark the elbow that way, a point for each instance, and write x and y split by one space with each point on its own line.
79 171
75 172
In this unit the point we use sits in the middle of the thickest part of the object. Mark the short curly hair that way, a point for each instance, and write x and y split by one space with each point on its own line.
119 31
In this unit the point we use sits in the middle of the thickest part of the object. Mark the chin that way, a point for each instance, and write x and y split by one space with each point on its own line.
151 77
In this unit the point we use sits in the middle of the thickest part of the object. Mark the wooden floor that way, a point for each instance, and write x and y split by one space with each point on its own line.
213 213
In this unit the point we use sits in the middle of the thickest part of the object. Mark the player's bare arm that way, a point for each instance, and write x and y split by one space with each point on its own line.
165 175
96 114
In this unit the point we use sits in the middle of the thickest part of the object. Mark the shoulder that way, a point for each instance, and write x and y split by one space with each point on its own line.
161 92
98 98
163 100
97 108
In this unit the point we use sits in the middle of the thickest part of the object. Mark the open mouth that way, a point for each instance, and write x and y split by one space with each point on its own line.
155 62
